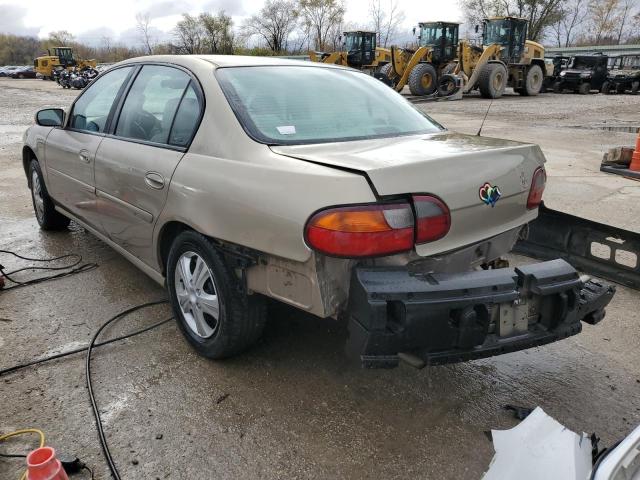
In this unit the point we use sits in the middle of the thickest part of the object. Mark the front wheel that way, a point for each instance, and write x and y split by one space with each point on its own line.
493 80
46 214
584 89
423 79
213 312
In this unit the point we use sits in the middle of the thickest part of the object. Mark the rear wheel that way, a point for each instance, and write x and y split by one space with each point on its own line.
606 88
635 86
423 79
493 80
533 81
557 87
584 88
46 214
217 318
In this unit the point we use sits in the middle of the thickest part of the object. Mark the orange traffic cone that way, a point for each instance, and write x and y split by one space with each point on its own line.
42 464
635 159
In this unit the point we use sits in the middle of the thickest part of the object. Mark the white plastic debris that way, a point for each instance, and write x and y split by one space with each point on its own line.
539 448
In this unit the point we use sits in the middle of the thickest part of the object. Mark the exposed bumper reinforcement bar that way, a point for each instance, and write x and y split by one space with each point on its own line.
446 318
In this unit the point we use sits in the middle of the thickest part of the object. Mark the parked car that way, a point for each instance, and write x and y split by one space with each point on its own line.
6 70
583 74
230 179
23 72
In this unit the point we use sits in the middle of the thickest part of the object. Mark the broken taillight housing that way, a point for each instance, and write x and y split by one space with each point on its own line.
375 230
433 219
538 183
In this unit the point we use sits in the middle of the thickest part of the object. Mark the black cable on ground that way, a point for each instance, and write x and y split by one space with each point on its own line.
66 270
96 413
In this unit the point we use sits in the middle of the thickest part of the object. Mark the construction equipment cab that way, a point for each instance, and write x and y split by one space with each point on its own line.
506 58
423 68
359 51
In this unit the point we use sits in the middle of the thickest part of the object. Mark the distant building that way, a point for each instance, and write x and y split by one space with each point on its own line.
611 50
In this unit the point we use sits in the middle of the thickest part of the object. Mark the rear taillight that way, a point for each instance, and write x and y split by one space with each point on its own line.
377 229
362 231
538 183
433 219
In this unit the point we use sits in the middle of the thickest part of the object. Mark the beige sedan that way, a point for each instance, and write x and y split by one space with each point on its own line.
230 179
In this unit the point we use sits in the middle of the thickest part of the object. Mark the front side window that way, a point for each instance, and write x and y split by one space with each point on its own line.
151 104
91 110
328 105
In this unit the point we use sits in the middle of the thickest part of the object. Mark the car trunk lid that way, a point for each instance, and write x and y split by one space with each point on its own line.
451 166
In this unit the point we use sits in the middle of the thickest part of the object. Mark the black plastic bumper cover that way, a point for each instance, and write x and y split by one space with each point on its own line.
443 318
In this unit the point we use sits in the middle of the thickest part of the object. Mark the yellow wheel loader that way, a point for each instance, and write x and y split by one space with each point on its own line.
506 58
359 52
425 68
61 58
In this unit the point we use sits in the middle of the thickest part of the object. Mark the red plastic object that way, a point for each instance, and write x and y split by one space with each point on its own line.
42 464
537 188
635 160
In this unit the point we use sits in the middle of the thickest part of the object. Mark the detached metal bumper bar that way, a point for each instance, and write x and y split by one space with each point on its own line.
444 318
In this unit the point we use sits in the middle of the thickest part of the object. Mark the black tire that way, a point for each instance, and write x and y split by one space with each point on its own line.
557 87
447 85
606 88
493 80
47 216
387 71
584 88
635 86
241 317
533 82
423 79
20 76
621 89
449 68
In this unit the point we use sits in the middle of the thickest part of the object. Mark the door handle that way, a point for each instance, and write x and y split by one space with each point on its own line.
84 156
154 180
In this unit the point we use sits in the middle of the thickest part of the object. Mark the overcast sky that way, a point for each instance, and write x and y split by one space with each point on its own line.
90 21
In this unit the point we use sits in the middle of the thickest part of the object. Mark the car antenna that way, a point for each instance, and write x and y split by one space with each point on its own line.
485 118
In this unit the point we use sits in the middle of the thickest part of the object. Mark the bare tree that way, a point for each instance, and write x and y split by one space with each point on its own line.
321 16
385 21
189 35
62 38
623 17
573 14
274 23
217 36
603 18
142 25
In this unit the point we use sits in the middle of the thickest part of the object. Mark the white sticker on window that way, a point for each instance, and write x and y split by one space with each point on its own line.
287 130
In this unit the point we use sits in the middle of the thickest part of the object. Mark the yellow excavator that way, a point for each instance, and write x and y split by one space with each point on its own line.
60 58
506 58
422 68
359 52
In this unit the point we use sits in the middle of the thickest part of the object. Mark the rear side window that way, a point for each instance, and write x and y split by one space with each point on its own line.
186 120
91 110
152 103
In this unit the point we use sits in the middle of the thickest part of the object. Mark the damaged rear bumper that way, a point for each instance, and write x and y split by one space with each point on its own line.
445 318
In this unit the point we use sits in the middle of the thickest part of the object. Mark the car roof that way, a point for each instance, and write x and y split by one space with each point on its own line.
226 61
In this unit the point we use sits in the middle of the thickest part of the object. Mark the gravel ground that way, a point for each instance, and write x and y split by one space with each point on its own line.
292 407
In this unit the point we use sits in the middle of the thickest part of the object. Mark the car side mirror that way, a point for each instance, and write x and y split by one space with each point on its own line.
50 117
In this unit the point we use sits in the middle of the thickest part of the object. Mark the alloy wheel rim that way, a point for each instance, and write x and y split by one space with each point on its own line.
197 295
38 201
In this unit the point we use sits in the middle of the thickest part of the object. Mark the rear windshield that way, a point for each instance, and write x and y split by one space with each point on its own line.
284 105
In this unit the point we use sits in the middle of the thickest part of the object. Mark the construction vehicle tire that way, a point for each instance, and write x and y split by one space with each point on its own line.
606 88
493 80
387 71
447 85
533 82
423 79
449 68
